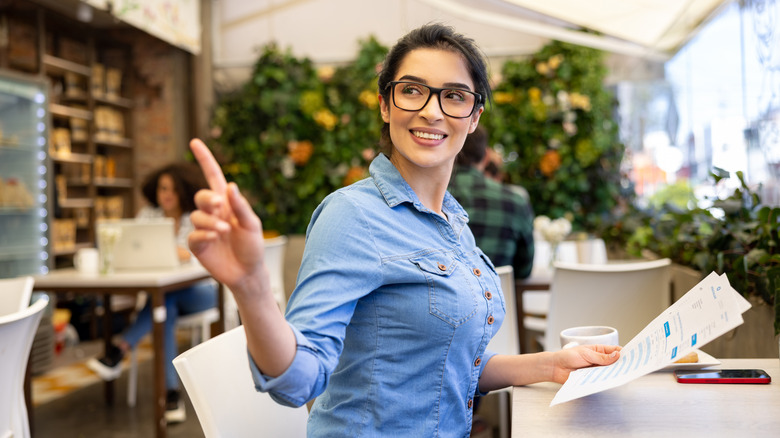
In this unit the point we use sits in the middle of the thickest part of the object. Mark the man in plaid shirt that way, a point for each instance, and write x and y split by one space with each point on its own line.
500 217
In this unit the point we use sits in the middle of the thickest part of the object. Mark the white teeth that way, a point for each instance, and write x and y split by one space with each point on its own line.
428 136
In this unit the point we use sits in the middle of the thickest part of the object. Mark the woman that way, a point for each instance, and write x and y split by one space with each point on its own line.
394 304
170 193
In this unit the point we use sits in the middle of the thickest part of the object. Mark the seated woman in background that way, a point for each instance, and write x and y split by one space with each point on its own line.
170 193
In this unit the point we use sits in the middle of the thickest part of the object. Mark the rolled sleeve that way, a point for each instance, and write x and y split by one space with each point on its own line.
302 381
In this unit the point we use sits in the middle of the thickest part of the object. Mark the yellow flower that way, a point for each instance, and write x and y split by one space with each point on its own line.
543 68
555 61
501 97
534 95
231 169
326 119
369 99
580 101
325 73
311 102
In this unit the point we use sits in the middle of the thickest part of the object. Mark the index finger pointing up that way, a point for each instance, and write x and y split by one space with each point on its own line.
209 165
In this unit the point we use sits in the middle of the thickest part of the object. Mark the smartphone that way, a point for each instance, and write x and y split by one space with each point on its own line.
722 376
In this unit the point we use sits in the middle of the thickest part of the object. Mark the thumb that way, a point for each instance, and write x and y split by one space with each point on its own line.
246 217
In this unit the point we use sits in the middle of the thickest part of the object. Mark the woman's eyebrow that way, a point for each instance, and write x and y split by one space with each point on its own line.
446 84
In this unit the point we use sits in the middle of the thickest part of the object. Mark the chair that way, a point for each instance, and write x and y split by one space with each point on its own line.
15 294
218 381
200 323
17 331
626 296
506 341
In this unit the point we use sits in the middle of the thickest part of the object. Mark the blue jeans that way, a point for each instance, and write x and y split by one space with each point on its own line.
193 299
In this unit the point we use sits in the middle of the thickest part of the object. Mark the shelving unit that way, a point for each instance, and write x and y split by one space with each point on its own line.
91 150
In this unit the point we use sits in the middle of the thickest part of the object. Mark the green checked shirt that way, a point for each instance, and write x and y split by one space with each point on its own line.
500 218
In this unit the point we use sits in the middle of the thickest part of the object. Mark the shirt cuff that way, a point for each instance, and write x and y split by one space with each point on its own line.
294 387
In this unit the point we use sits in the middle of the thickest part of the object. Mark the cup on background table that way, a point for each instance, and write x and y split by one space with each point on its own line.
589 335
87 261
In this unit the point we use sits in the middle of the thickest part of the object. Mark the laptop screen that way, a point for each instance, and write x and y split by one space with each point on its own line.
143 243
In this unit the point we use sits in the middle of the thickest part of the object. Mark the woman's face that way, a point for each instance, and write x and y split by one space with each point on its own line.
428 138
167 198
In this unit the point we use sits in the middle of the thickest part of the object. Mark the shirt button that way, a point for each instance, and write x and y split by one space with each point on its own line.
442 267
477 272
471 403
477 362
490 319
488 295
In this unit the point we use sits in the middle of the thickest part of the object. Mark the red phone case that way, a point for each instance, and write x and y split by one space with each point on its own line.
723 376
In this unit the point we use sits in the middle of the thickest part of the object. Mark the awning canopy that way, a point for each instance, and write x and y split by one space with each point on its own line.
327 31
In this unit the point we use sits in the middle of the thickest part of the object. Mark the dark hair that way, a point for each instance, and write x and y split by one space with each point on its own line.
433 36
187 180
474 148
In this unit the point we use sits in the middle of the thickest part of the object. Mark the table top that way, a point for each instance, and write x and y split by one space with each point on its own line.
656 405
71 278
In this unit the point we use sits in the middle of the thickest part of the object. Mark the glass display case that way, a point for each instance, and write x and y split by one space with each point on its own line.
24 185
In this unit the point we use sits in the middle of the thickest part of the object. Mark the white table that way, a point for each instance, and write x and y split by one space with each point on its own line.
656 405
155 283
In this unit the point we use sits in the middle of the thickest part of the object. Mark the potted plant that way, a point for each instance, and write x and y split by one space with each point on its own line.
736 235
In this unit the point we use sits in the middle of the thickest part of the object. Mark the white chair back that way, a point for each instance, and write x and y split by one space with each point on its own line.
507 340
626 296
274 260
591 251
15 294
219 383
17 331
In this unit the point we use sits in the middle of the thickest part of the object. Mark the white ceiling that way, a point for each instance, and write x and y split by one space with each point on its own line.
327 31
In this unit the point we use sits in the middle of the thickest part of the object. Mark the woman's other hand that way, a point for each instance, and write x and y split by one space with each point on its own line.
571 359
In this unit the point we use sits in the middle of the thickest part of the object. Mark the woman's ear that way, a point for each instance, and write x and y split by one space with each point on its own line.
384 109
475 119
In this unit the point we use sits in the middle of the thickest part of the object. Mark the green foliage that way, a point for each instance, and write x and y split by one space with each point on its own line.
292 134
554 119
737 236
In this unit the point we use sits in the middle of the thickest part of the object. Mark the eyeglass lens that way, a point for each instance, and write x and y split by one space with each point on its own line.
412 96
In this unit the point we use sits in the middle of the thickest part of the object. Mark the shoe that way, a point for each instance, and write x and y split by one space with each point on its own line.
108 367
174 407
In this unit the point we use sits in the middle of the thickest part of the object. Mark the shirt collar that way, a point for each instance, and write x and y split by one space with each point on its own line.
396 190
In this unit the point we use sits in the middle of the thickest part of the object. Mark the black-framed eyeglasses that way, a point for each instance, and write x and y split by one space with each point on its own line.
454 102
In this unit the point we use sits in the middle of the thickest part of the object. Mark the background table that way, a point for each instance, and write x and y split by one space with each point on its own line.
656 405
155 283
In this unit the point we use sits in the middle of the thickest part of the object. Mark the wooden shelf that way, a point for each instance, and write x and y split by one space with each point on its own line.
118 143
76 203
54 64
120 102
57 109
72 158
120 183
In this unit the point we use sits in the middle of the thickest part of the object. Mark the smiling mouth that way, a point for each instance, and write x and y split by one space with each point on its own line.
428 135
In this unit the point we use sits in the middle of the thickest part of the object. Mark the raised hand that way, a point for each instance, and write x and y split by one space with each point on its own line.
228 236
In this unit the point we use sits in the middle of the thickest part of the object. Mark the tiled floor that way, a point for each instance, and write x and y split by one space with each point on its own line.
69 403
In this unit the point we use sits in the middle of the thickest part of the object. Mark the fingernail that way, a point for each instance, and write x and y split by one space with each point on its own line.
223 226
614 353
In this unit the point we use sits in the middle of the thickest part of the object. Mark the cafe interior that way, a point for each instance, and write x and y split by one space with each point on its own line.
645 137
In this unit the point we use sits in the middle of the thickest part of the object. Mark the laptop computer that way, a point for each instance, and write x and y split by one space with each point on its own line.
144 244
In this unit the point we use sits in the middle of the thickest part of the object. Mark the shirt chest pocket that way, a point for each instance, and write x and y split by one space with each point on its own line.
450 296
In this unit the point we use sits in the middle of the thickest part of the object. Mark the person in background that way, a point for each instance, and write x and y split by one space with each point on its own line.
501 219
394 303
170 193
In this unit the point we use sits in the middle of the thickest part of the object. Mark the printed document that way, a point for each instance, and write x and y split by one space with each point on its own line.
707 311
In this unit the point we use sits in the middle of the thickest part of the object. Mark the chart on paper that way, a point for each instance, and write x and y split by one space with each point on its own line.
708 310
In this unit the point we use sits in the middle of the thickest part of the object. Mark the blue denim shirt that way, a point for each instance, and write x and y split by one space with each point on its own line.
392 312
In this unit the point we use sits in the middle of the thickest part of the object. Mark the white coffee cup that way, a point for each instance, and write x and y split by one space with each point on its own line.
87 260
589 335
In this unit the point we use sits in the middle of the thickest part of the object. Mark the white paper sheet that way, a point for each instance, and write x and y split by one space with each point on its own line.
707 311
